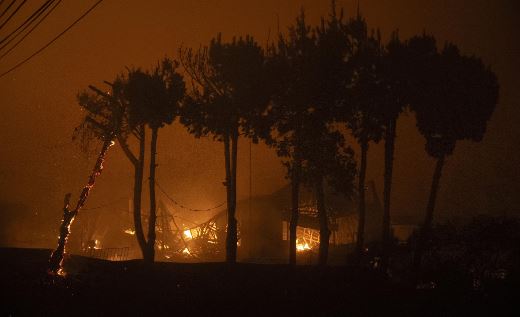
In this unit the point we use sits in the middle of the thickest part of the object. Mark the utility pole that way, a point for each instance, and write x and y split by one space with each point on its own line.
249 225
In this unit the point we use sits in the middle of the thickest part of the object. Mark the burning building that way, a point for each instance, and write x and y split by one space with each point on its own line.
263 223
263 229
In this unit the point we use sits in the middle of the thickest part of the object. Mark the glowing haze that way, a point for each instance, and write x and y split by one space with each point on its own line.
39 164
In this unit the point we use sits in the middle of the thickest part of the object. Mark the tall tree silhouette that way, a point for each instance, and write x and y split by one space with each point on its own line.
103 122
362 104
128 128
229 94
293 65
326 159
308 79
455 96
153 99
394 82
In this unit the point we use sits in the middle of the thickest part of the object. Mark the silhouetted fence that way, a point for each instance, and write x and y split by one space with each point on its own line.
111 254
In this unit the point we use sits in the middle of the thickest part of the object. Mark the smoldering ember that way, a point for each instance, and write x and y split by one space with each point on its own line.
297 158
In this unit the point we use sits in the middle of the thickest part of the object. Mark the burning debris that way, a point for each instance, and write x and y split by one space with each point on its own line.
306 239
130 232
302 246
176 241
56 259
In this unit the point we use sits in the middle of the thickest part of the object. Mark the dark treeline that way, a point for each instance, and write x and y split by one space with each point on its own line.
303 94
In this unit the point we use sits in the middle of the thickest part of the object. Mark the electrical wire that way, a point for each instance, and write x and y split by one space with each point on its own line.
12 14
57 145
52 41
30 31
7 9
106 205
181 205
36 14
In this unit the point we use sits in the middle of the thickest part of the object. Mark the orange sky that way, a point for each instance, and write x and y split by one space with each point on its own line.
38 164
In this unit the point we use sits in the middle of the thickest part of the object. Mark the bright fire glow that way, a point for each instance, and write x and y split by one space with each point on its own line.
187 235
300 247
130 231
186 251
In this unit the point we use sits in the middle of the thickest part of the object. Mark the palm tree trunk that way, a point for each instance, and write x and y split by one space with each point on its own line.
230 148
150 245
389 162
138 189
428 220
234 225
227 159
324 222
138 163
56 259
295 182
360 240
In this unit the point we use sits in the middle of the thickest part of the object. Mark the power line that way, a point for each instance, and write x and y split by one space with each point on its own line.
52 41
181 205
30 31
145 214
106 205
12 14
189 221
57 145
27 21
7 9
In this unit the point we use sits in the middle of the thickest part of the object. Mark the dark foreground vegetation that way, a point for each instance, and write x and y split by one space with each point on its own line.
95 287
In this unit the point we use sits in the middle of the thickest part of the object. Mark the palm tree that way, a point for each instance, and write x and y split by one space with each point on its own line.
326 158
362 105
103 122
229 94
394 84
308 79
454 98
154 99
130 127
292 74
